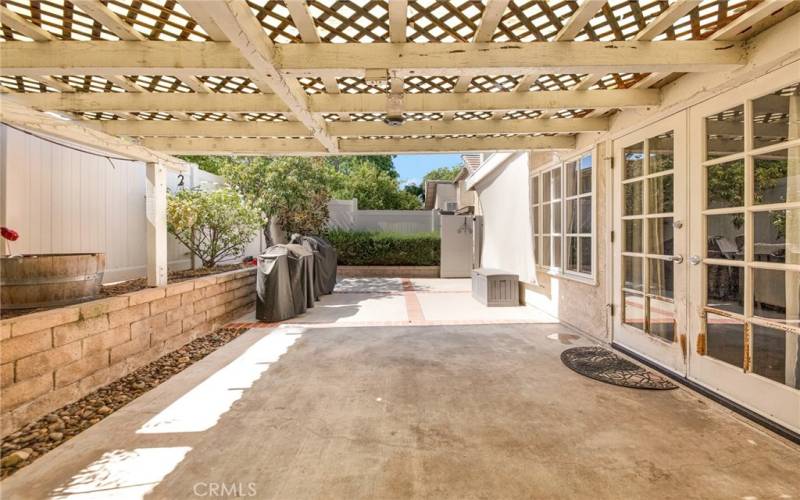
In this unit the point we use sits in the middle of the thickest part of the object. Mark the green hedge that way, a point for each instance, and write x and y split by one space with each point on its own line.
368 248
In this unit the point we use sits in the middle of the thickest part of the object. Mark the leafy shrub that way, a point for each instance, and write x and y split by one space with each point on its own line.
372 248
212 224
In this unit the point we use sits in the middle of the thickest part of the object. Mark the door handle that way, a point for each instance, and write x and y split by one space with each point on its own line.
676 259
695 259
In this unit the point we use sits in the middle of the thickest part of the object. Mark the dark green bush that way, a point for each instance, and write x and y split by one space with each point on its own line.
372 248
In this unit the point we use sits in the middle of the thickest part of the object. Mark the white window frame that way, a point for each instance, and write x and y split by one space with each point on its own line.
536 228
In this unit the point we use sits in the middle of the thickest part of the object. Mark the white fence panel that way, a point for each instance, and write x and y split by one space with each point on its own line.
344 214
61 200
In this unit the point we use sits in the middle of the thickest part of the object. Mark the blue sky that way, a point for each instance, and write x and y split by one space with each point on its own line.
412 168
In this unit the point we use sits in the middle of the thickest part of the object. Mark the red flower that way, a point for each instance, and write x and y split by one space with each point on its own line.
9 234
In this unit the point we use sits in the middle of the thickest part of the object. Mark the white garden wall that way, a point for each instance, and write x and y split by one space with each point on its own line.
344 214
60 200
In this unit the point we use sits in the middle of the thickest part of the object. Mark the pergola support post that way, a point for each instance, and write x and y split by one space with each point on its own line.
156 209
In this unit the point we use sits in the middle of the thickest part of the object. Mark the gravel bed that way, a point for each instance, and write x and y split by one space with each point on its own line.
37 438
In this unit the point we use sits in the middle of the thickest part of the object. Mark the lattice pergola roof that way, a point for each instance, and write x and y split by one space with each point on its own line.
322 76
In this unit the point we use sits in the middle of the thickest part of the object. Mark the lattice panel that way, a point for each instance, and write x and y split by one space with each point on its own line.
533 20
86 83
430 84
556 82
265 117
443 21
158 19
60 18
229 84
340 21
473 115
522 114
312 85
24 84
621 20
489 83
618 81
571 113
276 20
351 85
161 84
710 16
367 117
331 117
147 115
422 117
93 115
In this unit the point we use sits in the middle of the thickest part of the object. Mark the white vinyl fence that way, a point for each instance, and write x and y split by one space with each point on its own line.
344 214
60 201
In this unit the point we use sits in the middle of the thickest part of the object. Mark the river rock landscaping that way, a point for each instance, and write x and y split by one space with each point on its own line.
37 438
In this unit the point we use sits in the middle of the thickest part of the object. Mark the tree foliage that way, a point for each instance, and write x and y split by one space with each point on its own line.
374 189
293 190
212 224
442 174
346 164
211 164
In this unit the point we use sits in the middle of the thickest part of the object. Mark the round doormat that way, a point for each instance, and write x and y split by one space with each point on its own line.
605 366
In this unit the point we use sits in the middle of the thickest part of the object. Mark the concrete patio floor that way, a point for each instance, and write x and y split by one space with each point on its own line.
373 394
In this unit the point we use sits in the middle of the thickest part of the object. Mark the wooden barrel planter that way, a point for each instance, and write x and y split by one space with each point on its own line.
50 280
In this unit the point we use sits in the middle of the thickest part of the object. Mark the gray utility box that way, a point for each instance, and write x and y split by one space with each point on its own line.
495 287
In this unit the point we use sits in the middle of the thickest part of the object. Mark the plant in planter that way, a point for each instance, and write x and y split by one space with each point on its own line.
211 225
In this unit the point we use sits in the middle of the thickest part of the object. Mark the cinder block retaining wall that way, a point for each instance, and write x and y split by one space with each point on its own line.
51 358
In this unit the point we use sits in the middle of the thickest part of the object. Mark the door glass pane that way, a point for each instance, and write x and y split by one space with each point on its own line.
556 251
633 312
769 234
661 320
660 150
571 173
556 176
572 253
776 295
770 347
546 186
633 235
546 219
586 255
725 288
586 215
634 160
546 251
725 185
557 217
773 182
633 198
659 199
725 133
633 270
585 173
660 277
725 236
660 236
771 116
535 190
725 339
535 217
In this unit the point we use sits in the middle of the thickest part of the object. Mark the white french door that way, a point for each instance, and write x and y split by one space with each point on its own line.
650 283
745 245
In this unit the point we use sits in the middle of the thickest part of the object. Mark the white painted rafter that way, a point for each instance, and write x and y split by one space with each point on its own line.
19 24
582 15
110 20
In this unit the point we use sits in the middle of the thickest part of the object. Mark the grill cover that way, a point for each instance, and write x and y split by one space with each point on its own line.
302 277
273 286
324 262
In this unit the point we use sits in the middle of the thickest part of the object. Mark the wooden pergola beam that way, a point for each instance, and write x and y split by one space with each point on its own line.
666 19
237 22
19 24
309 147
332 59
160 128
582 15
737 29
343 103
111 21
18 115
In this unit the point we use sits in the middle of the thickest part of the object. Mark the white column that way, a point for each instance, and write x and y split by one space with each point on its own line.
792 241
156 209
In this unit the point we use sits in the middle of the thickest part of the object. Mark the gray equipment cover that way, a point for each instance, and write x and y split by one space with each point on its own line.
305 259
324 263
273 286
